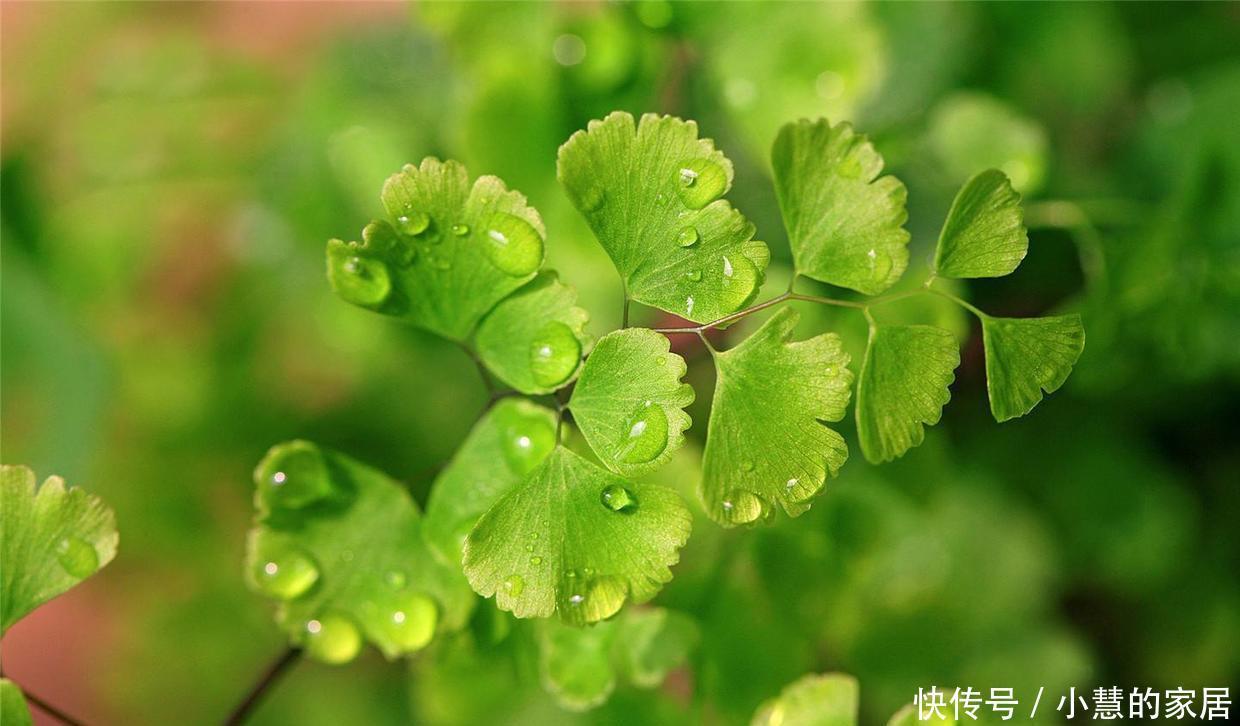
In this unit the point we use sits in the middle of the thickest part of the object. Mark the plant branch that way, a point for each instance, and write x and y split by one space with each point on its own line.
698 329
482 371
48 708
265 682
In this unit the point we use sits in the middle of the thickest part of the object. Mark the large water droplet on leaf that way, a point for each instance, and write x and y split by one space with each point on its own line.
413 223
879 264
738 278
513 245
77 556
740 506
618 498
292 476
700 182
687 237
405 620
333 638
284 573
554 354
526 438
360 280
597 599
644 435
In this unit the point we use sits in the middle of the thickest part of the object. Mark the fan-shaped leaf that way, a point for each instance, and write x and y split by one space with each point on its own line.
1027 356
767 441
984 235
576 539
339 545
903 387
51 538
844 222
651 191
534 338
447 254
628 402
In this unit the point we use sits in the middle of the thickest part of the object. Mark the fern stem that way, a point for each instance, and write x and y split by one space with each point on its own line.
269 678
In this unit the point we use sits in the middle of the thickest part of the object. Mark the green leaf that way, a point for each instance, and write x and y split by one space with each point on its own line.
651 192
767 441
844 222
534 338
509 442
339 546
447 254
629 401
903 387
51 538
812 700
984 235
13 709
581 666
1026 356
576 539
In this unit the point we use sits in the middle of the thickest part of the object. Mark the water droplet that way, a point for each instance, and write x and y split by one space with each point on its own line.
292 476
701 182
527 436
737 281
741 507
687 237
746 466
77 556
534 536
554 354
577 599
529 548
460 230
360 280
515 585
570 574
880 264
413 223
618 498
284 572
790 484
395 579
333 638
689 306
661 360
644 435
404 621
535 560
694 275
514 246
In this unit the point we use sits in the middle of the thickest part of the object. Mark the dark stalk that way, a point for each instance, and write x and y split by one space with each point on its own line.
265 682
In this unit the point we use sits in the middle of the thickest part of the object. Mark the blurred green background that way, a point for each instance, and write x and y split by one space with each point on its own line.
171 173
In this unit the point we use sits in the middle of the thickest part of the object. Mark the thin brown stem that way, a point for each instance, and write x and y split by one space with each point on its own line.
698 329
269 677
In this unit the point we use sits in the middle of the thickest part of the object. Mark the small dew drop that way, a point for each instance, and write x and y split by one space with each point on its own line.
694 275
363 281
515 585
413 223
702 181
689 306
791 483
687 237
460 230
688 177
286 572
618 498
535 560
577 599
293 475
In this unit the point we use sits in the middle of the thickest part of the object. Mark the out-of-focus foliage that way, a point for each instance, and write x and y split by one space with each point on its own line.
168 181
